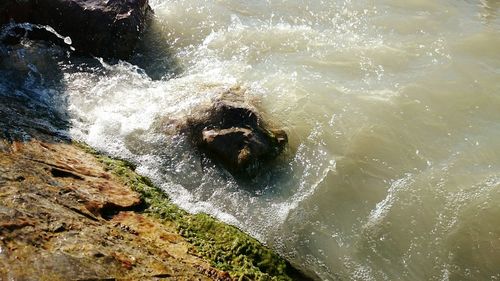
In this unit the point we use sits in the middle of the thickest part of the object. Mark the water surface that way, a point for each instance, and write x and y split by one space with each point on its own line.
392 111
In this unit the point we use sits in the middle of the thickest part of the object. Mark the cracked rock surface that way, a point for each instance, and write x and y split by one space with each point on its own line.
63 216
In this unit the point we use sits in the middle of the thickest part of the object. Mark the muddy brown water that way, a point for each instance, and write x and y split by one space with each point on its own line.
391 109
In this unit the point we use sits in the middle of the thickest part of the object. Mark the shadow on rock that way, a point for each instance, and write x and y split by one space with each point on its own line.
113 30
30 87
101 28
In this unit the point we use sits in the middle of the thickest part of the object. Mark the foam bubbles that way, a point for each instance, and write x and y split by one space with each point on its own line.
358 87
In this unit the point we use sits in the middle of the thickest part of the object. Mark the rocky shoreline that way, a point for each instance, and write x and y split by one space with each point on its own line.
64 217
69 213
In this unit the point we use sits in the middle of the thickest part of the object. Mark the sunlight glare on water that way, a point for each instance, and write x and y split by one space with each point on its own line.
392 111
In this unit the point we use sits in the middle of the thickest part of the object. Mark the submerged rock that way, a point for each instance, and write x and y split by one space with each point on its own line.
101 28
232 132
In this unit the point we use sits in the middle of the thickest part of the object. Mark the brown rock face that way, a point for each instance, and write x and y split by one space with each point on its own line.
102 28
64 217
234 134
242 149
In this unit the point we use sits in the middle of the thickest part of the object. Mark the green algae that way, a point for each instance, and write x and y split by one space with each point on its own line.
225 246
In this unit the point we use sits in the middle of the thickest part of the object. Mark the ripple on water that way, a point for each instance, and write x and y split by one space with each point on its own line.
391 110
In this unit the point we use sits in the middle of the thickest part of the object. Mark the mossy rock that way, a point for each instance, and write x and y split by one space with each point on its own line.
225 246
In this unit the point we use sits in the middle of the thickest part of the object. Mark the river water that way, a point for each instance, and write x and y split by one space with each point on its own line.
391 107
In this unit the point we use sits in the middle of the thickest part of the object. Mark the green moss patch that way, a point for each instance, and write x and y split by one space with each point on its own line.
225 246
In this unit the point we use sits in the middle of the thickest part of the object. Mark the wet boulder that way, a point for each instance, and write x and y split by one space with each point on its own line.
234 134
109 28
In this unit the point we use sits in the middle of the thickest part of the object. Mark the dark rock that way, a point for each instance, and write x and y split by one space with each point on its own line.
15 10
13 34
233 133
101 28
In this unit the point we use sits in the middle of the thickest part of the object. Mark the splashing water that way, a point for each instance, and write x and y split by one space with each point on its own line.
393 166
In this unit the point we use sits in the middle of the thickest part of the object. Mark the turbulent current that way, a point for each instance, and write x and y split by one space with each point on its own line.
392 110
